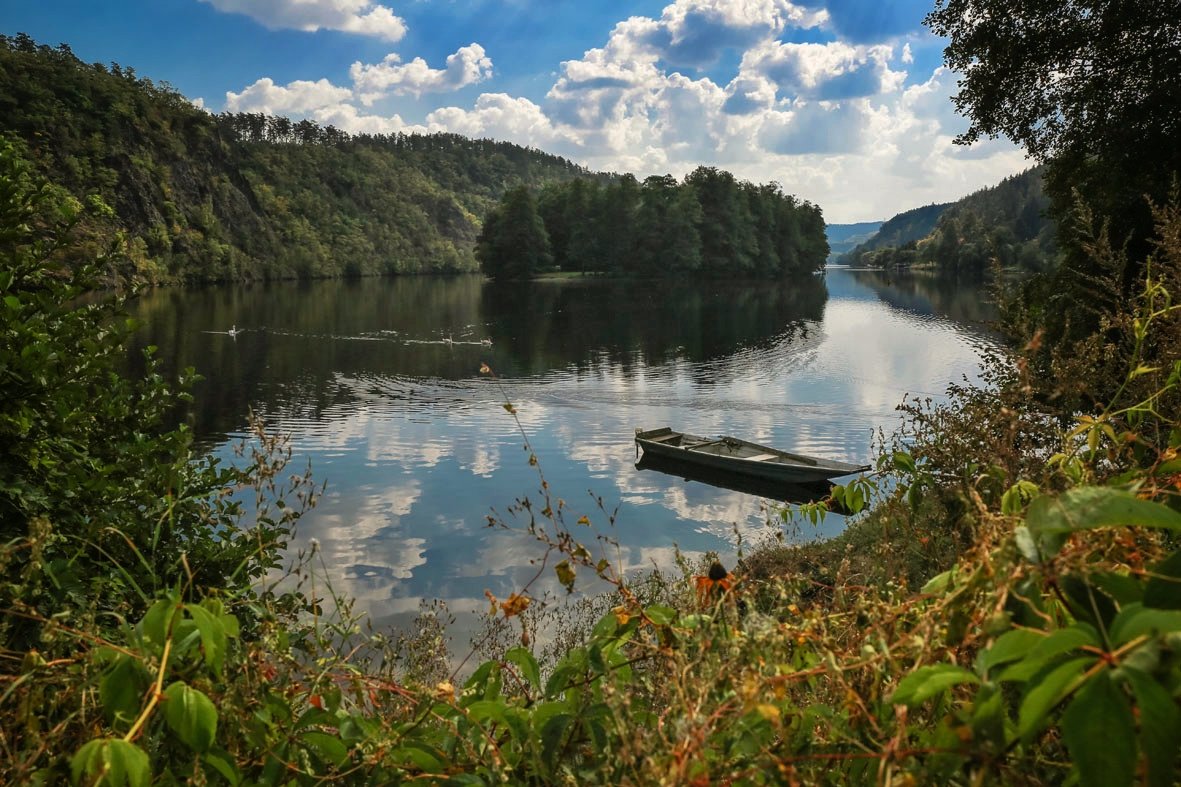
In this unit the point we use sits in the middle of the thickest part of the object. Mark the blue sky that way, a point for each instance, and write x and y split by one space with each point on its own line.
843 102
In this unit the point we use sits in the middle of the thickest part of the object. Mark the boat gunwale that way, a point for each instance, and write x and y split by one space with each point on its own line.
689 445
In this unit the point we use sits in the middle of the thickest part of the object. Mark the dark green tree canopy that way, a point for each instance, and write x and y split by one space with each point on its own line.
1092 88
513 243
711 224
1084 76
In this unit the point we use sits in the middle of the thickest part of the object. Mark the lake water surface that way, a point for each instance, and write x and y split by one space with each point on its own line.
378 384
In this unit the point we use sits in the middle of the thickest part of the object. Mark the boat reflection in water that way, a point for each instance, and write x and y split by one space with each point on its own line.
783 491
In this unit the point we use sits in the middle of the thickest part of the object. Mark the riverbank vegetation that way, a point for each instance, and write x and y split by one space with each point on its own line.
246 196
1008 612
710 225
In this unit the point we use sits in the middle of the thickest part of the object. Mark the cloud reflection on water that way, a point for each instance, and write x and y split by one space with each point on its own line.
417 451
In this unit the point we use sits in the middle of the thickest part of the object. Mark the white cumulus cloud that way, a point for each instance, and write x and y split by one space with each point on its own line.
363 17
501 116
696 32
831 71
467 66
348 118
830 122
815 128
296 98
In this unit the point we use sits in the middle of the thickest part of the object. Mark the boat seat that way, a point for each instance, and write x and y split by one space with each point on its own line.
662 438
762 457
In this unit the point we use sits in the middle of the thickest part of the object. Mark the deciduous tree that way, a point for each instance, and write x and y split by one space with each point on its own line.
1093 87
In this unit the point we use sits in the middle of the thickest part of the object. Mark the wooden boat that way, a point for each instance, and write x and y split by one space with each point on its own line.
741 456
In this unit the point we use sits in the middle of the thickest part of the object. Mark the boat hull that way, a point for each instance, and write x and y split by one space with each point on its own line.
783 491
732 455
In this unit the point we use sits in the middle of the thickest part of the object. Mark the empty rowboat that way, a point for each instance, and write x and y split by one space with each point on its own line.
741 456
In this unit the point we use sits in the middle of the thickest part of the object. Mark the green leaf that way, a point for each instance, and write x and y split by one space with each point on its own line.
855 499
605 627
122 689
478 682
1014 498
1091 507
594 657
1045 692
113 760
185 636
191 715
1062 641
552 735
927 682
903 462
356 728
1100 735
1160 726
940 582
988 713
516 723
1121 587
486 710
221 761
1164 588
528 665
328 748
157 621
213 636
422 756
1136 620
660 614
1087 602
546 711
560 678
565 574
1027 544
1010 646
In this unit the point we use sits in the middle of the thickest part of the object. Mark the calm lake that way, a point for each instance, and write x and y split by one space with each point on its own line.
378 384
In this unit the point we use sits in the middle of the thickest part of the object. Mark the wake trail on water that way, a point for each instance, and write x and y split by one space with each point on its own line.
386 336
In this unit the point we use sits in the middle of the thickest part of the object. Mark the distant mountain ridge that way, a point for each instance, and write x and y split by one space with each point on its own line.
844 237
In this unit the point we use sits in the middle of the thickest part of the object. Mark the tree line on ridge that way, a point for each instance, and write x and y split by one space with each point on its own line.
250 196
710 225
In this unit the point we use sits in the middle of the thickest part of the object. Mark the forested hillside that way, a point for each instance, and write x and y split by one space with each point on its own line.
248 196
710 224
904 228
1006 222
